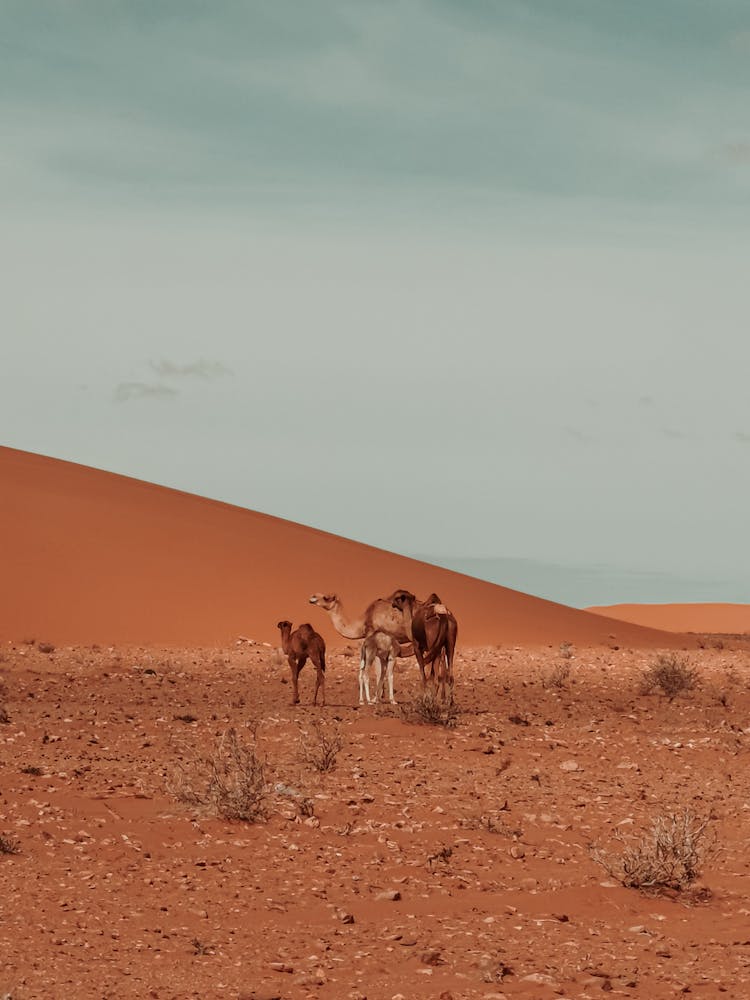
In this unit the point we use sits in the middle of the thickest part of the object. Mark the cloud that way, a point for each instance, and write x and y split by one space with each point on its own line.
256 102
581 436
738 152
200 369
676 435
126 391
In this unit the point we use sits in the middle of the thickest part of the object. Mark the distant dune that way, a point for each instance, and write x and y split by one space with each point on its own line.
89 556
727 619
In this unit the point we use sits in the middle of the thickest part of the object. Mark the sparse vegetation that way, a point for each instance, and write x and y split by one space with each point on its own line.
428 709
9 844
201 948
320 748
566 650
672 674
31 769
231 782
669 856
558 677
4 717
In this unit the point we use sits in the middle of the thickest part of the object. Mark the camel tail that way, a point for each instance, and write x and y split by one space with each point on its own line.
439 642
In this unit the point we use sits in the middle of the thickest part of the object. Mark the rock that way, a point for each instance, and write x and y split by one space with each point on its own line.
392 895
517 852
432 957
281 967
345 917
46 647
570 765
542 979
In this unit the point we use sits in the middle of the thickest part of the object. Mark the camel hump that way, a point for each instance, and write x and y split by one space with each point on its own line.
440 609
307 630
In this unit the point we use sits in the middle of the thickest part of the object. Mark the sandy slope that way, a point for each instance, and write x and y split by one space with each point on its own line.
89 556
729 619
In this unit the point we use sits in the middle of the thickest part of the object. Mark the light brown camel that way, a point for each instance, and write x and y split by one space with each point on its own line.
379 616
304 642
432 645
382 649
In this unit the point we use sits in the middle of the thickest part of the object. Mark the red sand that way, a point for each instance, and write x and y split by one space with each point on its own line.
89 556
726 619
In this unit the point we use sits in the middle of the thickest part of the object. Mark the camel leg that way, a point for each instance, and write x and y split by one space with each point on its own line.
420 661
295 675
389 671
320 685
364 681
379 679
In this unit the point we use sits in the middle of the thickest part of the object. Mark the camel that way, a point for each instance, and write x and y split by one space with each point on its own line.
383 648
304 642
433 630
379 616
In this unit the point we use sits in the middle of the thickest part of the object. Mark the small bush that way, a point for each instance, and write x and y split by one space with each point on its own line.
9 844
427 708
4 717
671 674
231 782
566 650
669 856
558 677
320 748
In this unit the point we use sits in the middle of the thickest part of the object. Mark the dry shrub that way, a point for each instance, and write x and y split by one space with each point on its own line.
558 677
671 673
669 856
428 709
230 782
4 717
567 650
9 844
320 748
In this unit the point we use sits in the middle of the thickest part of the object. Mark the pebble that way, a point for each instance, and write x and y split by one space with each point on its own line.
570 765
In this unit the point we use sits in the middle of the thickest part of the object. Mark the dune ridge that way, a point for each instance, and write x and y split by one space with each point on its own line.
716 618
92 556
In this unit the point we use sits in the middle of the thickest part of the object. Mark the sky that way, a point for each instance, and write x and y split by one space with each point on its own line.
458 278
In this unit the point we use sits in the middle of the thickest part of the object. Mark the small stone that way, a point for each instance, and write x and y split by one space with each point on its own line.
517 852
46 647
541 979
392 895
345 917
432 957
281 967
570 765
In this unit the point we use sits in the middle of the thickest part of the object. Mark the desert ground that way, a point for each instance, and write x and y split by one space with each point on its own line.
431 861
168 828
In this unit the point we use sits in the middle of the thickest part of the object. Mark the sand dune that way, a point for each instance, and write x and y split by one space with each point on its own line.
89 556
729 619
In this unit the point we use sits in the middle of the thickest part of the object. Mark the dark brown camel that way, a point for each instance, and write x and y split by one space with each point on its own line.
433 629
298 646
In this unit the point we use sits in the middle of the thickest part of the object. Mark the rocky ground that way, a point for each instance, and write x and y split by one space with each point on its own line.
430 862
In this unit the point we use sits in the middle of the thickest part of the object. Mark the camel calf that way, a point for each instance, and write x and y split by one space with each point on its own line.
298 646
382 649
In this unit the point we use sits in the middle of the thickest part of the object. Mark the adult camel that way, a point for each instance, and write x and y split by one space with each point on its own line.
433 630
379 616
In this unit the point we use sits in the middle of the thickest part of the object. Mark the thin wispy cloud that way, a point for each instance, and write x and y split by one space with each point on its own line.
125 392
198 369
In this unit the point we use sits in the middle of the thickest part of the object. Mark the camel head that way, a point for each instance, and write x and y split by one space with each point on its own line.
401 598
284 627
325 601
